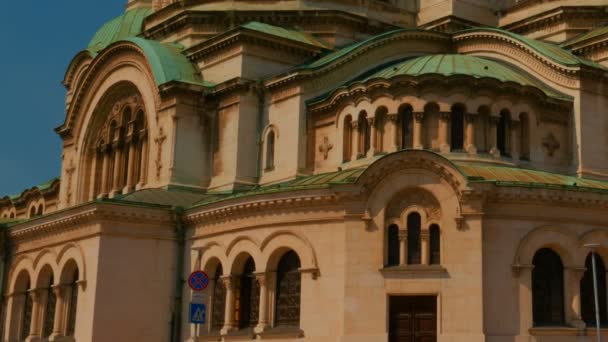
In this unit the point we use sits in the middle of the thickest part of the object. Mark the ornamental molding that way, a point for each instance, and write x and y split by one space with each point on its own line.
559 18
550 197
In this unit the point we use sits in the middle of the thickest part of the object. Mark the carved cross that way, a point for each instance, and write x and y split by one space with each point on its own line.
551 144
159 140
325 147
69 170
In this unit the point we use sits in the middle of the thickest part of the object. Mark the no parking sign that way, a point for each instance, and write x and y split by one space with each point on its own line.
198 280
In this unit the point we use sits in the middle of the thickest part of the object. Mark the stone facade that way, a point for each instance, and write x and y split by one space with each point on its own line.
370 171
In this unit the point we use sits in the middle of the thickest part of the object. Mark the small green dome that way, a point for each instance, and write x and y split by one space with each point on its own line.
127 25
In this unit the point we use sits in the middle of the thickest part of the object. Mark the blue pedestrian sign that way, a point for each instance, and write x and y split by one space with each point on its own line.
198 312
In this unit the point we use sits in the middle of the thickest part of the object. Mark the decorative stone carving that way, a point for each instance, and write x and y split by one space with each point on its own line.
70 173
551 144
159 140
414 197
325 147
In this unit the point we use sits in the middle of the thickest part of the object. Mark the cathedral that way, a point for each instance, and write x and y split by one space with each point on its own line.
343 171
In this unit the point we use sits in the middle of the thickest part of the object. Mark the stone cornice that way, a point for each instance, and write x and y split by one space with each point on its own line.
555 15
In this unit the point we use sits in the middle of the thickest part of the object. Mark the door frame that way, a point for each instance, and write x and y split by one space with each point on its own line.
415 294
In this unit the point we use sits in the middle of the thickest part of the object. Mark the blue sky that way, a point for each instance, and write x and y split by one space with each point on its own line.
39 38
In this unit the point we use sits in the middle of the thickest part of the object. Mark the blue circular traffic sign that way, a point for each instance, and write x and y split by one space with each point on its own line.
198 280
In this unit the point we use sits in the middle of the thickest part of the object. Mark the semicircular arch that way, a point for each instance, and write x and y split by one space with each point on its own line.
280 242
558 238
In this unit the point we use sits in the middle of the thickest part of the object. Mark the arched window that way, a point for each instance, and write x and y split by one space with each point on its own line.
32 211
457 128
413 238
524 137
379 122
587 294
405 124
72 304
347 139
249 293
287 308
22 307
49 309
435 257
547 288
12 215
40 210
219 300
270 151
503 133
364 135
393 245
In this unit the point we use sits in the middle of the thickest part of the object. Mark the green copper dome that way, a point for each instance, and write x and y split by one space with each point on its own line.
128 25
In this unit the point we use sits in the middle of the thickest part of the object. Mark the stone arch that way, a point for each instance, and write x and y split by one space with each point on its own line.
280 242
45 276
45 259
559 239
211 250
211 265
22 263
239 247
593 236
267 129
71 252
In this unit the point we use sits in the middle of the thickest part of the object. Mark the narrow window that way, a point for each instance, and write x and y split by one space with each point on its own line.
219 300
40 210
249 296
406 132
393 245
457 128
73 305
587 294
28 305
547 288
524 137
379 122
502 133
413 238
347 139
287 309
32 211
12 215
435 257
270 151
364 135
49 312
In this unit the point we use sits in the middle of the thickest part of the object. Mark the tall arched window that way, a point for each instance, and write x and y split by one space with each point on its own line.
393 245
364 135
288 287
587 294
22 307
405 124
503 130
413 238
457 128
524 137
547 288
219 300
249 293
39 212
270 142
435 257
32 211
347 139
379 122
72 304
49 310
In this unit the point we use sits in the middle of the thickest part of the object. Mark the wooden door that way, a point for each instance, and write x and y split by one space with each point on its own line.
413 319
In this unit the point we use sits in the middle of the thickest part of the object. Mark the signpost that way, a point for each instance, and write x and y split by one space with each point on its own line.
198 281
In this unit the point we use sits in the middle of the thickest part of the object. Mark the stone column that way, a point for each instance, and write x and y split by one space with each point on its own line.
116 178
424 246
470 130
444 127
58 327
572 298
524 275
418 144
263 314
355 137
142 159
93 178
515 125
402 247
229 312
393 120
494 135
373 143
105 171
131 166
37 309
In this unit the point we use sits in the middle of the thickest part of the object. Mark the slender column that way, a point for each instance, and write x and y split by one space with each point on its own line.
393 120
444 124
515 140
263 314
424 246
105 171
373 144
92 190
142 158
131 166
402 247
470 130
418 117
229 312
355 136
494 135
58 327
117 168
524 274
572 298
36 295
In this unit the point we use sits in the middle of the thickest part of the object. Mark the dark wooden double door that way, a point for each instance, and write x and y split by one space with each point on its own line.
413 319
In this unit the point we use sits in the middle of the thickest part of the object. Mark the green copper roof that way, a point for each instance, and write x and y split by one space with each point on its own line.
277 31
129 24
451 65
586 36
168 63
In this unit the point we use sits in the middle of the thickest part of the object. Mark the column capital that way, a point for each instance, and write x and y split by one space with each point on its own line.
402 235
515 124
494 119
35 294
425 234
393 117
469 117
354 124
371 121
261 277
445 116
418 116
